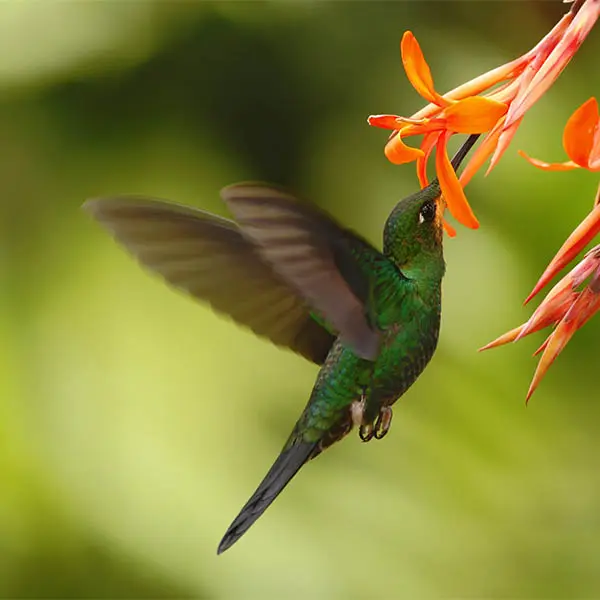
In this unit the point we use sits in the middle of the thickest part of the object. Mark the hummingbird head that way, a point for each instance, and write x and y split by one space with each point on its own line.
413 232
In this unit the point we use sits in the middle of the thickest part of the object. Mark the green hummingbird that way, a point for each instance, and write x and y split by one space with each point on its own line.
292 274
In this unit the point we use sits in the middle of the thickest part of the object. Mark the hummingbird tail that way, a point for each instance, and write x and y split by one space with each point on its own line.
288 463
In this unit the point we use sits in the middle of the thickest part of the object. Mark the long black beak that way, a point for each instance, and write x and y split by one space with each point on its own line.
464 150
461 153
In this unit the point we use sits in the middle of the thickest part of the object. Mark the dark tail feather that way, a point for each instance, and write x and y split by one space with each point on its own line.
285 467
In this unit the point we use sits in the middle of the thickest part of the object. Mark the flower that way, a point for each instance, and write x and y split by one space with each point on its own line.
583 234
474 114
510 90
564 306
581 141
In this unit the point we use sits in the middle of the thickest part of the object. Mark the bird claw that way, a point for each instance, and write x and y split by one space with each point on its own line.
376 428
357 410
383 423
379 429
366 432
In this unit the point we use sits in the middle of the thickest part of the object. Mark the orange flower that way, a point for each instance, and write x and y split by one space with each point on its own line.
474 114
511 90
564 306
585 232
581 141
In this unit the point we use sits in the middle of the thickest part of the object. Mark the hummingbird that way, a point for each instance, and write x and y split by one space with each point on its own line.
288 271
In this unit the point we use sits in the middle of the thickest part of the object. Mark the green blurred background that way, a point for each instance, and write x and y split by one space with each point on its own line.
134 423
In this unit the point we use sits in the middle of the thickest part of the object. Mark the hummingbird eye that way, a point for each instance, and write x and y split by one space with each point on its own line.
427 212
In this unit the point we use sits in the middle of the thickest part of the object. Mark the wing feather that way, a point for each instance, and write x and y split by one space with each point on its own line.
207 257
313 254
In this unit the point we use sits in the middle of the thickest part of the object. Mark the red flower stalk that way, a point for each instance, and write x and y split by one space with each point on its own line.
565 305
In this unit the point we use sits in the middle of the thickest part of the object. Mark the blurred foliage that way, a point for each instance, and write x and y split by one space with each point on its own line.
135 423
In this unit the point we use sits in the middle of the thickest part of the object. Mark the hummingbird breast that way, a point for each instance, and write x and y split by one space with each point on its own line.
410 336
405 353
406 348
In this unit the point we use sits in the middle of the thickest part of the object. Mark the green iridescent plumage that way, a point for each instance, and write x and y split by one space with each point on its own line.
288 271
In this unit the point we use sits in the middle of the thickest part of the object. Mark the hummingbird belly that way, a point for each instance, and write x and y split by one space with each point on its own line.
346 380
405 352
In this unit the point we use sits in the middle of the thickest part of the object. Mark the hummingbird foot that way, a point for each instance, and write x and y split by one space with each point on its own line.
378 429
383 423
366 432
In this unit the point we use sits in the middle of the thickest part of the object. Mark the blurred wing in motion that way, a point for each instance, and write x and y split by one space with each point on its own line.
315 255
207 257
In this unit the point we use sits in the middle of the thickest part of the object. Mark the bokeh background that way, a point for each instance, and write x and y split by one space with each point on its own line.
134 422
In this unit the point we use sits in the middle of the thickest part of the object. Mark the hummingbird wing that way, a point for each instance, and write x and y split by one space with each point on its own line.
208 257
319 258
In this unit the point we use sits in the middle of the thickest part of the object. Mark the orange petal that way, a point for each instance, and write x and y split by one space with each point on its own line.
536 61
550 311
481 154
505 93
582 235
399 153
509 336
504 140
564 50
449 229
451 189
542 347
474 115
427 145
396 122
481 84
560 298
553 346
386 121
579 133
589 307
594 160
580 312
566 166
417 69
504 72
584 269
